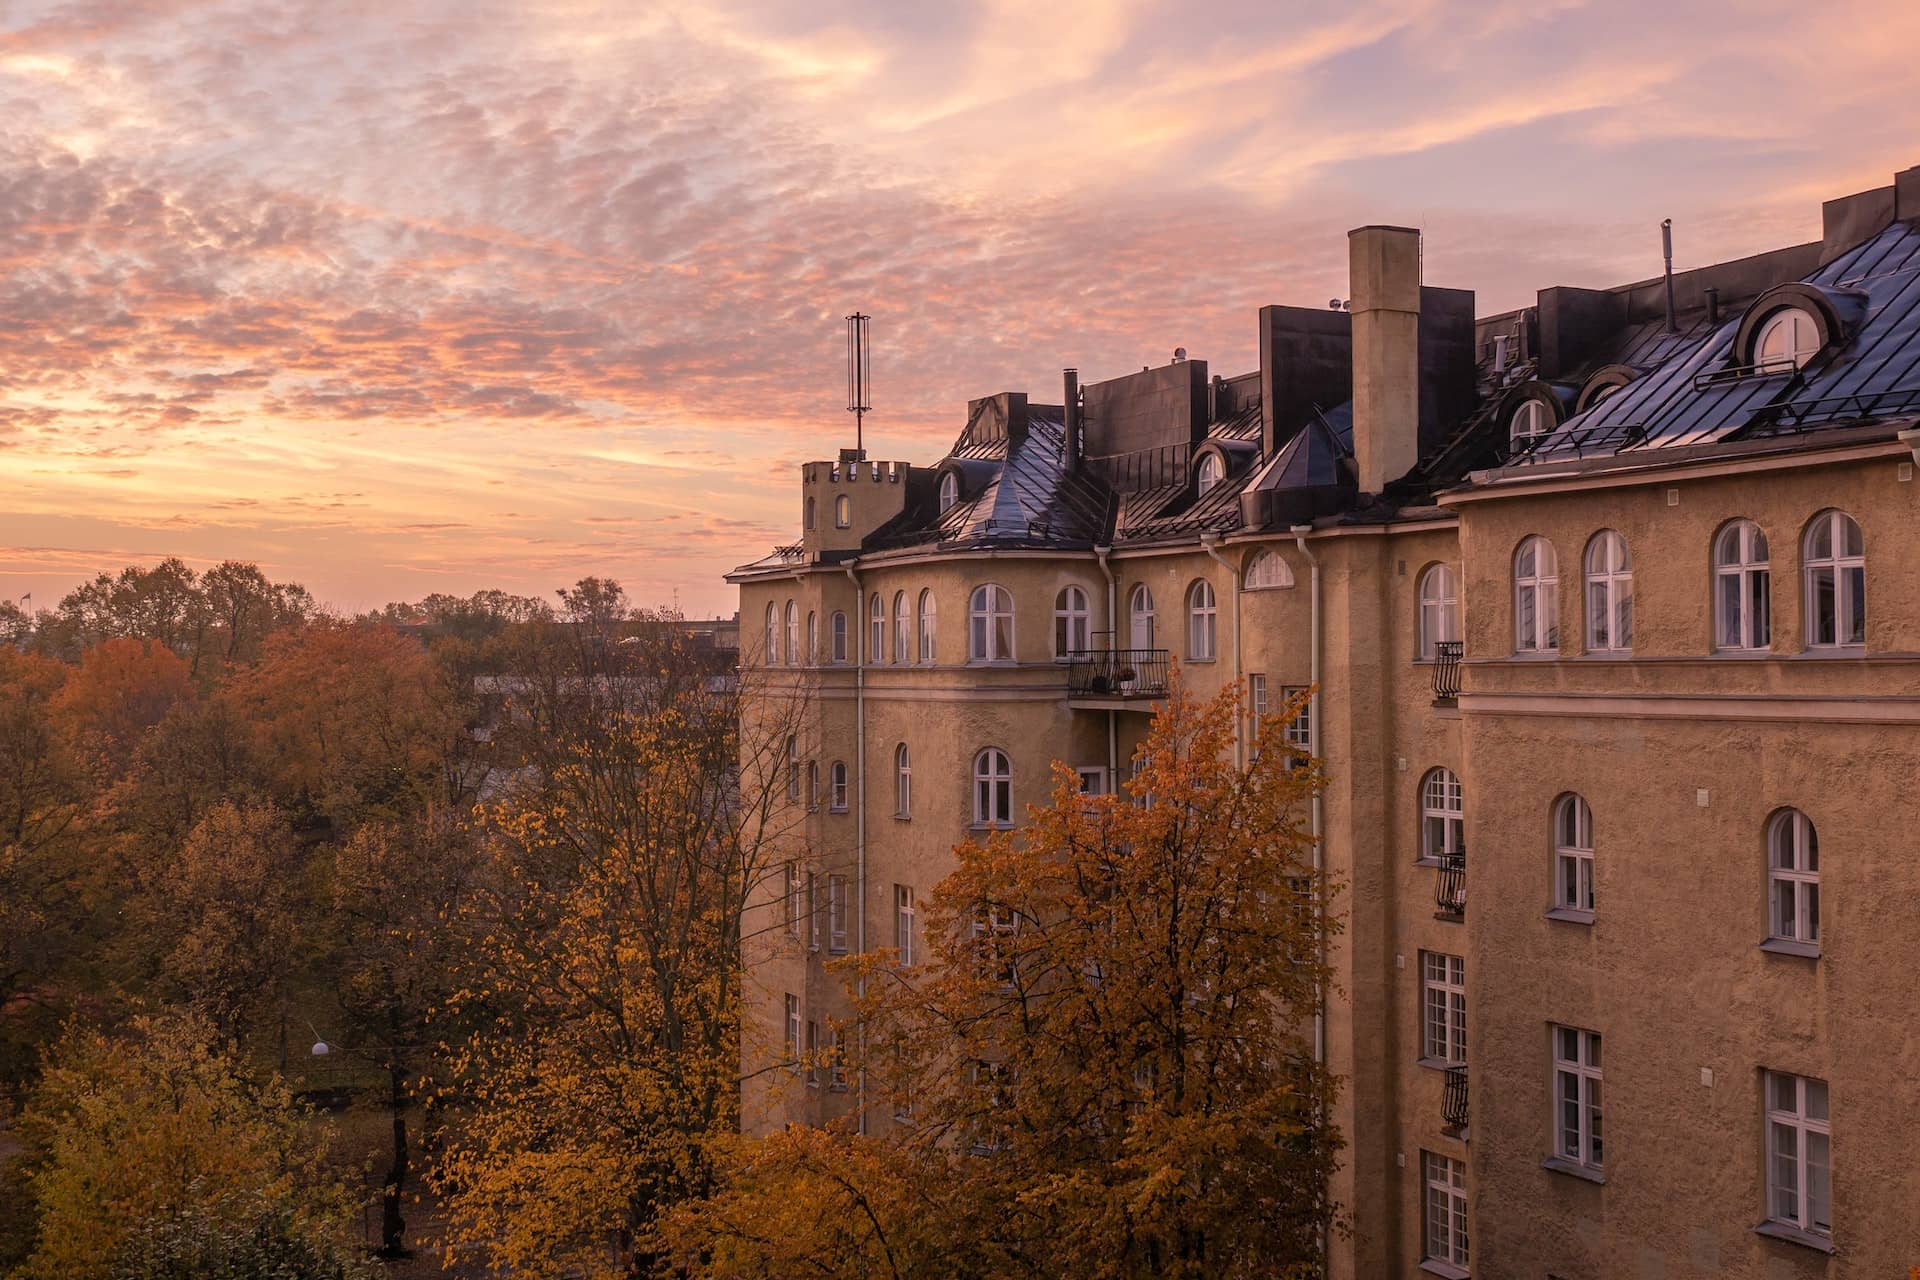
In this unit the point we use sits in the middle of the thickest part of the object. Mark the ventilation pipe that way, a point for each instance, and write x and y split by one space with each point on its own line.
1666 254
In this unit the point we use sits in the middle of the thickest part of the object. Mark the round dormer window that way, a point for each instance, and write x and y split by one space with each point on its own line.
1789 338
949 491
1528 423
1211 473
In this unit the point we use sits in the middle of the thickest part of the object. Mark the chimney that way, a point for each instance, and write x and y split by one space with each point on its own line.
1384 270
1070 415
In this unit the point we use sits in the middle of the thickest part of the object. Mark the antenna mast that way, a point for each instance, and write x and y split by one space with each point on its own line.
859 381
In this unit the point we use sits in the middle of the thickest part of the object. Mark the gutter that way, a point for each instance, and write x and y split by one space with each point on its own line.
1210 543
1300 532
858 622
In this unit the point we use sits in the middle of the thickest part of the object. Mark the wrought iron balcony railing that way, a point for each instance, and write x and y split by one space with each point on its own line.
1450 890
1117 673
1453 1103
1446 670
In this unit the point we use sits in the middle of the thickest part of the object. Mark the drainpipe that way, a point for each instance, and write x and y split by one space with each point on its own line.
1113 635
859 623
1210 543
1300 532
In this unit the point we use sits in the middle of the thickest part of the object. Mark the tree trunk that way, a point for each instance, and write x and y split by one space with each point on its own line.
393 1227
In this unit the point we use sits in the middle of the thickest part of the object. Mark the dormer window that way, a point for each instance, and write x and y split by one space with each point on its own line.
1528 424
1789 338
949 491
1210 474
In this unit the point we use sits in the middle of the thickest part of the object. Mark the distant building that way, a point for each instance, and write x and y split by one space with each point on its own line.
1614 611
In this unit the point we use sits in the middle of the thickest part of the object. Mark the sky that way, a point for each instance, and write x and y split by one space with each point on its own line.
434 295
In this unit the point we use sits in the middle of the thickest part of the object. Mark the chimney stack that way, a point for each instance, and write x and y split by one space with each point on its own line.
1384 270
1070 415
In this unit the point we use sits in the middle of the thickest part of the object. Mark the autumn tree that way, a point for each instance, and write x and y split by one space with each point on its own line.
122 689
1104 1067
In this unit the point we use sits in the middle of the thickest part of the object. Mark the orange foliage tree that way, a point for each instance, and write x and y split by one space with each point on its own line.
1105 1067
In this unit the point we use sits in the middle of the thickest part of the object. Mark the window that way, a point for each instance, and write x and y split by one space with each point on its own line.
1536 598
842 512
809 519
1256 699
902 782
1202 628
773 633
877 632
949 491
1609 593
1071 622
1576 1095
813 912
793 768
1446 1210
1443 981
1786 342
836 1062
1528 424
1742 604
791 1039
1573 855
1210 473
1266 571
1836 569
793 634
1793 879
902 629
813 638
927 619
903 922
813 784
790 898
1300 728
992 789
837 778
990 625
1799 1162
1442 815
813 1054
1092 779
836 914
1140 618
839 636
1439 610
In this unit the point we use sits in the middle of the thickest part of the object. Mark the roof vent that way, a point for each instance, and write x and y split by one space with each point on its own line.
1179 355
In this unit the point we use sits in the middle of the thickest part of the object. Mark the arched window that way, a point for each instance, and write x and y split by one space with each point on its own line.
1742 600
1202 622
839 627
1140 618
837 781
1536 598
813 784
1528 423
842 512
773 633
793 768
813 638
1836 568
1793 879
809 520
927 619
902 782
1572 855
902 629
1786 341
1210 473
1439 610
1442 815
793 635
1266 571
949 491
990 625
992 789
877 631
1609 592
1071 622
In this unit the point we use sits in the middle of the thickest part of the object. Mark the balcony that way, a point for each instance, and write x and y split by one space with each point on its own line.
1446 670
1453 1102
1112 678
1450 889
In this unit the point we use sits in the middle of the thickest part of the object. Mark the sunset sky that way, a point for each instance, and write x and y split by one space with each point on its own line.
404 297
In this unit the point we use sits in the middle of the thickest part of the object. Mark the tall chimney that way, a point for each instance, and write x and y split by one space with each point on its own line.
1070 415
1384 272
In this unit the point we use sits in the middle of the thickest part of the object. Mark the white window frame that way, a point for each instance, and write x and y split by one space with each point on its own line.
812 1062
1846 570
792 1030
929 617
949 491
1793 879
904 912
1577 1098
1742 589
1439 609
1256 700
1800 344
1609 577
813 638
1140 621
837 786
902 781
1573 855
1799 1152
1443 1008
1444 1210
1299 732
839 640
1203 622
876 629
793 634
813 785
1092 779
836 914
836 1066
990 624
902 629
773 633
1443 814
813 911
992 788
1207 474
1072 623
1266 570
1536 597
1530 421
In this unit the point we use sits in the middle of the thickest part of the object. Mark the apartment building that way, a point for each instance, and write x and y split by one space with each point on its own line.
1615 632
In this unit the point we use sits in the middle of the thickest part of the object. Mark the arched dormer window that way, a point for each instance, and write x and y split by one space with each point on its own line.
1209 473
949 491
1202 622
1787 340
990 624
1266 571
1439 610
1530 422
1072 622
